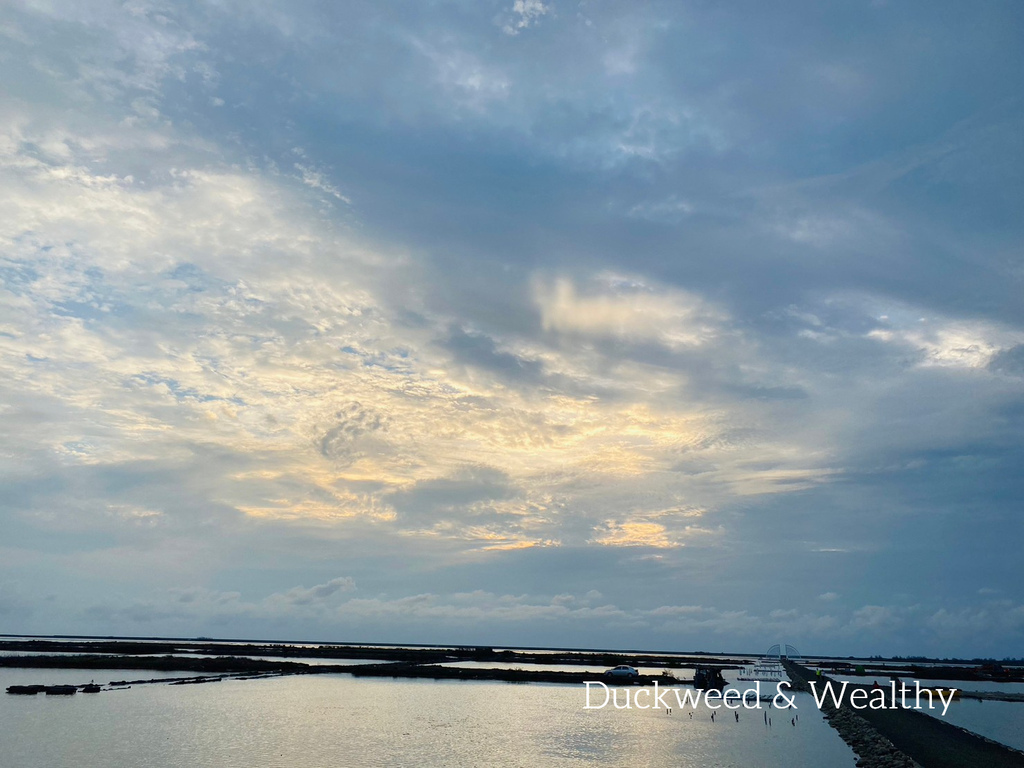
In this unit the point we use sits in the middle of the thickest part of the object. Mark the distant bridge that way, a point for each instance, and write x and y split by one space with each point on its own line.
786 651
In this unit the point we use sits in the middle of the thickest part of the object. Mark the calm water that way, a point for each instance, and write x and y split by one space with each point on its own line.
337 720
963 685
1001 721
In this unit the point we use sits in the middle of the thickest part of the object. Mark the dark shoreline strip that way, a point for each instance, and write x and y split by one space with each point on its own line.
416 655
434 672
235 667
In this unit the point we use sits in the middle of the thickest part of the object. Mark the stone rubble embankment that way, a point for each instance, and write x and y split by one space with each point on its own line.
872 748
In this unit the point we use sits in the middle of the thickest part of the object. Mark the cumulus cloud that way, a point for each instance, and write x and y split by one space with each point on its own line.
304 596
624 307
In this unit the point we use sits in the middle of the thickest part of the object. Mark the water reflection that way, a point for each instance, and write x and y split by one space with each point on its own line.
339 720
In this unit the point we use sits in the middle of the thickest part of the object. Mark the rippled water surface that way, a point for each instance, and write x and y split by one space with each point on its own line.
337 720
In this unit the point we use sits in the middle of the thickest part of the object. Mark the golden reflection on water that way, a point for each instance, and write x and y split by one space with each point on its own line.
313 722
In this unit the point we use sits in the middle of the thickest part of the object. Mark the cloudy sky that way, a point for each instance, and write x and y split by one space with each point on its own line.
678 325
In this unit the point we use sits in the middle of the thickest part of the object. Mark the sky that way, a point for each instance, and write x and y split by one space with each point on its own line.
667 325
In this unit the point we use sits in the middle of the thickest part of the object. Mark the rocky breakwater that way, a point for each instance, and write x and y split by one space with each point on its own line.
873 749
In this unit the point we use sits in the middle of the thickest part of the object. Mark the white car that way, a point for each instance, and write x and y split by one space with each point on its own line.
623 671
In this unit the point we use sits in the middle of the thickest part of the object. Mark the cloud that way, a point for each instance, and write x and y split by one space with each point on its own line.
635 534
480 350
617 287
470 485
526 13
340 441
316 179
303 596
621 307
13 604
1009 361
875 618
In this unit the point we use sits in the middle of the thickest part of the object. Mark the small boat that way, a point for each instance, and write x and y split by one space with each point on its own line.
765 670
708 679
91 688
